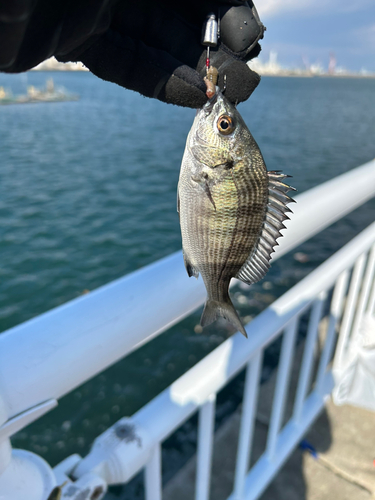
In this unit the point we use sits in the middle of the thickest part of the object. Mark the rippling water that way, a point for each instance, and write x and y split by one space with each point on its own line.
88 194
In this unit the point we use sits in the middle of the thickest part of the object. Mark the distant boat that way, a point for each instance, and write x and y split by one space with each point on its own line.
49 94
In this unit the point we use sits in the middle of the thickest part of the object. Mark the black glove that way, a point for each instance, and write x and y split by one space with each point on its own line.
151 47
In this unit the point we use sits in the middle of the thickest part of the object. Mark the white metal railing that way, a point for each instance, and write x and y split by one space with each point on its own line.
197 388
69 340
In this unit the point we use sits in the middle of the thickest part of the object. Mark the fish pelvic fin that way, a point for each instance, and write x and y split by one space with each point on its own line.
190 269
214 309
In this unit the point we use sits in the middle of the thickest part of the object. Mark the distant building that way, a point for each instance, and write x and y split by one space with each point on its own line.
332 64
273 68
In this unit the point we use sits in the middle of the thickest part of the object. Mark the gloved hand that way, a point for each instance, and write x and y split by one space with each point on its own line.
151 47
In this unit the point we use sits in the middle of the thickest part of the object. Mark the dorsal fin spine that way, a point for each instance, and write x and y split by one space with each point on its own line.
279 204
282 196
275 233
277 212
278 224
266 245
268 236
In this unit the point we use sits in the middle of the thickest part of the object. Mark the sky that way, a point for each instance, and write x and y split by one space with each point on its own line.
312 29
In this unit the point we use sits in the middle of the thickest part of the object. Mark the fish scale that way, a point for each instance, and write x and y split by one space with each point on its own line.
231 209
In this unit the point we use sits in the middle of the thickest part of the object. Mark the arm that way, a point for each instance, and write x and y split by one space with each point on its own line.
151 47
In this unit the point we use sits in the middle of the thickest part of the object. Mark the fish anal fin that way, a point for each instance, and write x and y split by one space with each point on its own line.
258 262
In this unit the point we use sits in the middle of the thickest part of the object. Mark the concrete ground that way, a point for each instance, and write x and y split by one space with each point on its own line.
344 469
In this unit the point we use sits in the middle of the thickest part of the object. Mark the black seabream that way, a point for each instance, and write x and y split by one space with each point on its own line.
231 208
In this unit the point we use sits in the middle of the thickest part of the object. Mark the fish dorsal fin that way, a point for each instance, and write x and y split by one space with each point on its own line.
258 262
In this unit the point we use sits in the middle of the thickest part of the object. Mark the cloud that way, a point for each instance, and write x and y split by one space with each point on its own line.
268 8
273 8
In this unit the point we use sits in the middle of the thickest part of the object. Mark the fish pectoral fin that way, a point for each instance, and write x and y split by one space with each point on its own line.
258 262
190 269
203 182
227 165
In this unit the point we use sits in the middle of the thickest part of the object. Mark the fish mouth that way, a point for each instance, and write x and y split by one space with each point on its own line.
209 106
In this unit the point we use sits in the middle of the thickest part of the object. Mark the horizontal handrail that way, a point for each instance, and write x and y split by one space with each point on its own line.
50 355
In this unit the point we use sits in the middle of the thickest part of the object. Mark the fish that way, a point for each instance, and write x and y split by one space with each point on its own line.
231 209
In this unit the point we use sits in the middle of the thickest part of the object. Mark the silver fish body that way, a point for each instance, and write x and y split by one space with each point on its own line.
231 209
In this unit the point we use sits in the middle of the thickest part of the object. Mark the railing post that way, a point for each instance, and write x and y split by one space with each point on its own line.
308 355
365 291
245 437
371 303
281 389
351 301
204 454
153 483
334 317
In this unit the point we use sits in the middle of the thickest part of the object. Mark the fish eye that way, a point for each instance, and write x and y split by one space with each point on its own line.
225 125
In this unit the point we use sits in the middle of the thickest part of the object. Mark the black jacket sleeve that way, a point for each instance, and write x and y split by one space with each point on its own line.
151 47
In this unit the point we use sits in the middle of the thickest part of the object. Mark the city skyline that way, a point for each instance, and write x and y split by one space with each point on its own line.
303 31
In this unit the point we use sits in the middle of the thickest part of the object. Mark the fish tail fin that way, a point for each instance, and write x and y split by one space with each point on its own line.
214 309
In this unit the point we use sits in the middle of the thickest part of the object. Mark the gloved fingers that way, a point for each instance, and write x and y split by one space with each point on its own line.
235 75
238 80
240 29
185 88
147 70
165 29
168 31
